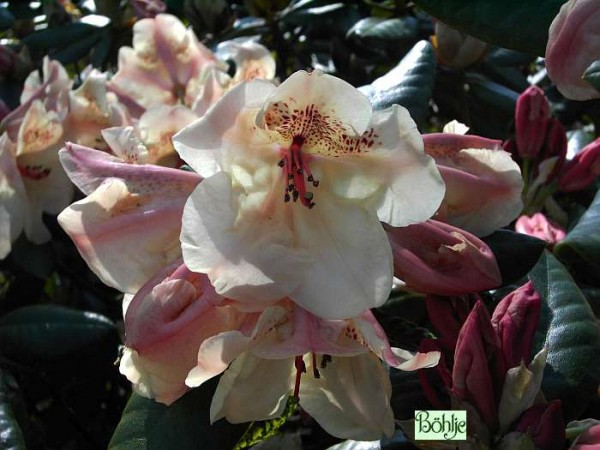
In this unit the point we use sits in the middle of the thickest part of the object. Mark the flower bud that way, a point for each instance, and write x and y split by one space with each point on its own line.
479 369
531 121
588 440
437 258
545 425
582 170
540 227
555 145
435 381
572 48
515 320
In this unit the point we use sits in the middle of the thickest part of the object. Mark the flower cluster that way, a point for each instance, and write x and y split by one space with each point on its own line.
301 206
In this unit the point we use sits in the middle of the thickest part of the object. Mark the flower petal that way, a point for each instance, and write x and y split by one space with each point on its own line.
251 261
351 399
242 395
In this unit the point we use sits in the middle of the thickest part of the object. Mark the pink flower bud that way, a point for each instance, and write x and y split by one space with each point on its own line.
572 47
437 258
531 120
515 320
555 145
582 170
540 227
479 370
545 425
588 440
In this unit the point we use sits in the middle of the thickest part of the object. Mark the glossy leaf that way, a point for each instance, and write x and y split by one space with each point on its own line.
59 37
571 334
377 29
185 425
515 253
44 333
409 84
580 250
515 24
11 437
592 75
6 19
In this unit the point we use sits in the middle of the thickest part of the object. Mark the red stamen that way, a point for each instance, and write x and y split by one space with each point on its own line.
300 369
295 167
316 373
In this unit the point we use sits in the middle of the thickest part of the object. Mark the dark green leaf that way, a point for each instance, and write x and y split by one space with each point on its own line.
515 24
570 332
377 29
493 95
6 19
101 50
409 84
43 333
38 260
580 250
407 394
11 437
24 9
78 49
313 15
592 75
185 425
260 431
516 253
59 37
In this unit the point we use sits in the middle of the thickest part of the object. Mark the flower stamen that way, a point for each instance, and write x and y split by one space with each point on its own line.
300 369
295 166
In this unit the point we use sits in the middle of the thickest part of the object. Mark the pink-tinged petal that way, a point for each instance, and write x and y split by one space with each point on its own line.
217 352
89 168
40 130
437 258
546 426
251 261
211 87
483 190
478 372
456 49
351 399
532 116
52 91
165 324
157 126
251 59
573 43
540 227
515 320
14 205
243 395
444 146
201 143
582 170
128 227
391 156
125 144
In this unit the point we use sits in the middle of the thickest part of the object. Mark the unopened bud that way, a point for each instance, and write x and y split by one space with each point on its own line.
531 120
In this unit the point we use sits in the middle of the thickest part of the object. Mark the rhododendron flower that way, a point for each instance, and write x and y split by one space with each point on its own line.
572 47
300 177
457 49
540 227
163 67
545 424
33 180
332 366
52 90
582 170
483 183
166 322
91 109
127 227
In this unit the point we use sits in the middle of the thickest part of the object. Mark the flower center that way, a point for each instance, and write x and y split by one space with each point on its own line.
34 172
295 166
